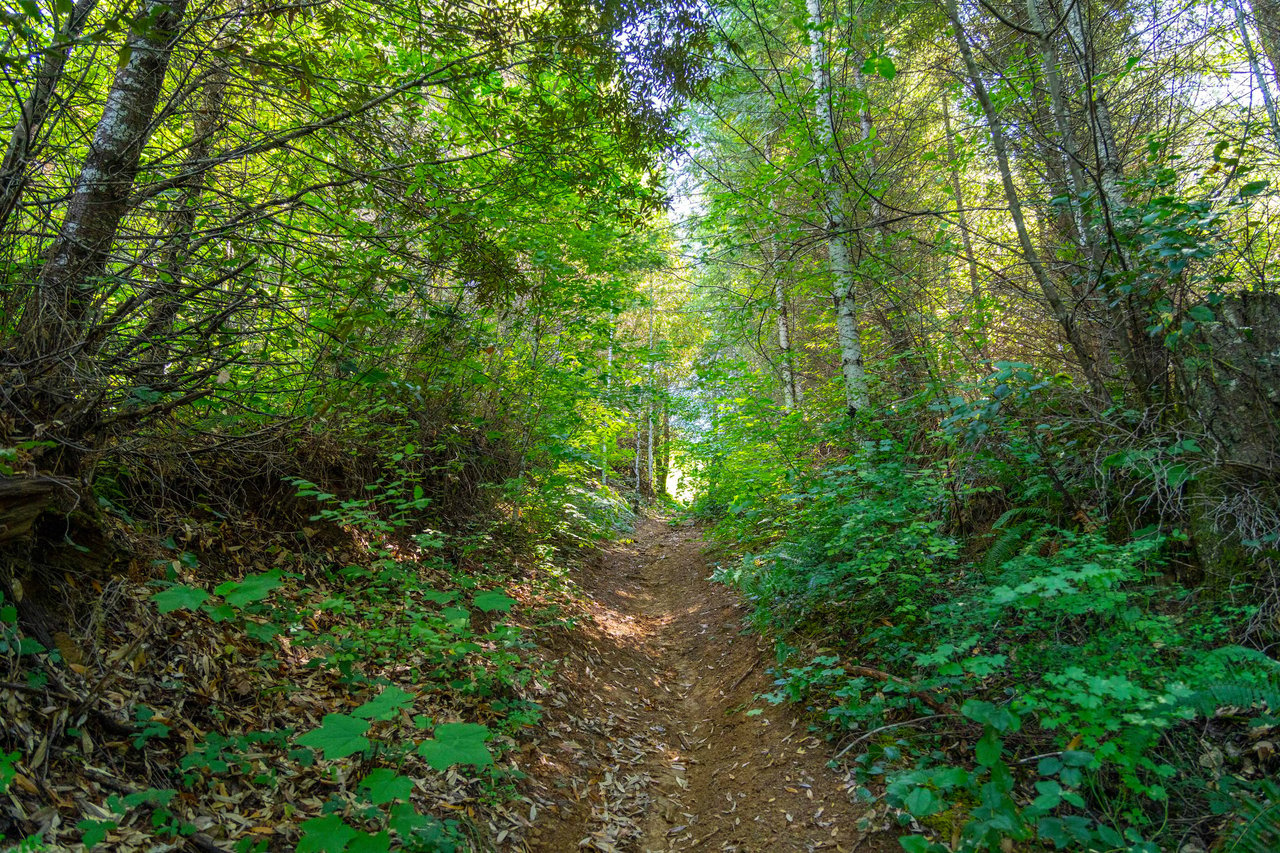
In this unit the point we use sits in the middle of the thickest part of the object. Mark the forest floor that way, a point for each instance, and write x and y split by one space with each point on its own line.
649 746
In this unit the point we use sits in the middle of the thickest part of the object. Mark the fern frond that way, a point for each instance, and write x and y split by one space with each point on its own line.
1209 699
1005 548
1259 831
1024 511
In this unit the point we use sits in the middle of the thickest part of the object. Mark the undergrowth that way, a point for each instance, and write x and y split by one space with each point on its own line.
358 684
997 661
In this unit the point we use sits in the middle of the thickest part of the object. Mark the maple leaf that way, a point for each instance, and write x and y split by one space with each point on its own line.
457 743
338 736
384 785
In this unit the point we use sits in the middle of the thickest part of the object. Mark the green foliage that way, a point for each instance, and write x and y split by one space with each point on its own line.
457 743
383 786
8 768
338 736
1042 632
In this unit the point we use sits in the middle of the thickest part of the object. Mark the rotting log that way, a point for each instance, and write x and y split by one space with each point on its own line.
22 500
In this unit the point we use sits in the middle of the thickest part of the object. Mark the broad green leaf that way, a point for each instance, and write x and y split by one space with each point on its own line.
457 743
914 843
1253 188
922 802
492 600
179 598
998 717
252 588
95 831
458 617
404 820
386 705
989 748
384 785
1201 313
365 842
328 834
338 736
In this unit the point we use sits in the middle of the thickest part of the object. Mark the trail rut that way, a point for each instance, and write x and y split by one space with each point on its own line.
649 747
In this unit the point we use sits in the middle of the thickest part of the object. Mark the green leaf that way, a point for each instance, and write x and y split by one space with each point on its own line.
1201 313
365 842
457 743
1253 188
95 831
922 802
988 748
914 843
492 600
997 716
252 588
338 736
404 820
328 834
457 617
384 785
386 705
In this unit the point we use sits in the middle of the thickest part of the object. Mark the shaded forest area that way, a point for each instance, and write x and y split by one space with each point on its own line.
335 334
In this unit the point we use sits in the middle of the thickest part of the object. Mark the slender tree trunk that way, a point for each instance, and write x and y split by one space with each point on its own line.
664 460
604 442
1267 101
66 291
164 306
1069 152
1110 168
790 392
857 395
962 217
1145 358
1059 309
1266 15
637 459
649 408
34 111
898 316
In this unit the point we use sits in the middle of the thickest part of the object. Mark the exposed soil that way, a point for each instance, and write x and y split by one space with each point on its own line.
649 747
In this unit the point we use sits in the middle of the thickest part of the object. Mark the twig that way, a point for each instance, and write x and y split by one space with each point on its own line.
875 732
743 677
881 675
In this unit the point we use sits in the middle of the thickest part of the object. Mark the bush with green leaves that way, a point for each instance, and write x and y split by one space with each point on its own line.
1050 640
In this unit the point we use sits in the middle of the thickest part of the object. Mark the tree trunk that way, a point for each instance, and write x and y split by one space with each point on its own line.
1266 16
66 291
1059 309
962 222
664 459
22 141
604 442
648 474
1145 358
790 393
1252 55
167 297
857 395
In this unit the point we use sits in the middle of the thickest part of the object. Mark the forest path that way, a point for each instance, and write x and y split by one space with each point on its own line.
649 745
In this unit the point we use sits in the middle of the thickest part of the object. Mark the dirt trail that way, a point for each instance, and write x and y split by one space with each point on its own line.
649 747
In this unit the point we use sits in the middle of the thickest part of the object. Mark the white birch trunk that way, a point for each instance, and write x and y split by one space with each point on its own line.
604 442
857 396
1256 67
649 468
